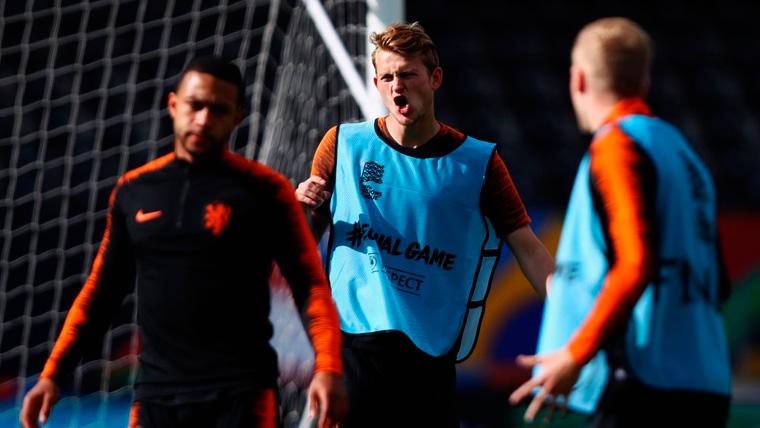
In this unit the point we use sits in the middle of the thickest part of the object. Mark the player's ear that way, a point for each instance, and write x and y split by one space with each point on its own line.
171 103
578 81
437 77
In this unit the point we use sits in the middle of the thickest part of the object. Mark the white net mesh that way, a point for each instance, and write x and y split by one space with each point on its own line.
82 99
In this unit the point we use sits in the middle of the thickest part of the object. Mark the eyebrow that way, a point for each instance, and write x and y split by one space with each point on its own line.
199 100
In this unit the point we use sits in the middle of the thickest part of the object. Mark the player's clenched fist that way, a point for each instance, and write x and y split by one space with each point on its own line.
312 191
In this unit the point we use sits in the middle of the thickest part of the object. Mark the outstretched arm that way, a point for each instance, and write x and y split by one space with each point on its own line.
623 181
534 259
502 205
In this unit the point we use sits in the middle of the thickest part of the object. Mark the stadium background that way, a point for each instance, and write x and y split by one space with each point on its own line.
505 80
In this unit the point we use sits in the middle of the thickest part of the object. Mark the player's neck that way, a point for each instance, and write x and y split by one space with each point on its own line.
413 135
600 108
198 158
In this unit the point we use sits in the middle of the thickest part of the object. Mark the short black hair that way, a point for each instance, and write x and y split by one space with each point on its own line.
218 68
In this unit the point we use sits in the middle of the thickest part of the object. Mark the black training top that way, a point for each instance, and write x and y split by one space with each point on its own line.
201 239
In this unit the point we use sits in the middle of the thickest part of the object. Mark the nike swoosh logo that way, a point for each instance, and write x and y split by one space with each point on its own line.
142 217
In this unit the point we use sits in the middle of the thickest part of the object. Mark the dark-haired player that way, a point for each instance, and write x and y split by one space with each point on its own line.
199 229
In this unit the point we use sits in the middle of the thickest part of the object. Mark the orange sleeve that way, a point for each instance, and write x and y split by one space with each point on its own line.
111 277
501 202
297 257
623 181
323 164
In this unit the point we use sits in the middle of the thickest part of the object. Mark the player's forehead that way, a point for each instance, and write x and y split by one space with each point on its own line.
201 86
388 61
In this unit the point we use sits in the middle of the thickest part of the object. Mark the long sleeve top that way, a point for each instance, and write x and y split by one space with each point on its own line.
201 239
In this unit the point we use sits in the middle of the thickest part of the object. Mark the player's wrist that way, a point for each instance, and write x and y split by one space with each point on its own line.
335 371
580 352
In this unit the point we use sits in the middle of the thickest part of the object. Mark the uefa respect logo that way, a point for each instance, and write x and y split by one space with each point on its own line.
401 280
372 172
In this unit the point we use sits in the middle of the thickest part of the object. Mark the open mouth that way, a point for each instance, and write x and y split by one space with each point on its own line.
402 103
198 136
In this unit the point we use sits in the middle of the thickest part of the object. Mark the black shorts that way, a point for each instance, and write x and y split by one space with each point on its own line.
627 402
394 384
252 409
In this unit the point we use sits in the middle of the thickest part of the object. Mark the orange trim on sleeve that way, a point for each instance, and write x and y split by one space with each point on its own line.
306 271
324 324
301 265
265 408
613 168
324 330
134 415
80 311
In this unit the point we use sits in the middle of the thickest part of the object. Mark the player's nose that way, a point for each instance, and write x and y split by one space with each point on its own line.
202 116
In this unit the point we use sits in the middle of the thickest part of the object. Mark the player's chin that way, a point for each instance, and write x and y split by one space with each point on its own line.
404 119
202 147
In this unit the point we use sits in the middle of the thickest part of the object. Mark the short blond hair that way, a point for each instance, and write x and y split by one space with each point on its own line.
407 40
618 53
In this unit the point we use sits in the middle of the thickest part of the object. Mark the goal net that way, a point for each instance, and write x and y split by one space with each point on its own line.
82 100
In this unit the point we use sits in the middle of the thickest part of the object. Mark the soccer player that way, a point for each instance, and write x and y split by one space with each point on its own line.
199 229
419 211
639 280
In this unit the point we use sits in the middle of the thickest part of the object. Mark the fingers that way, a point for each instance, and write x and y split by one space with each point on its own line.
535 405
313 404
317 180
308 197
324 410
47 405
544 398
524 390
38 403
549 382
325 195
319 407
528 360
30 411
312 191
323 419
327 399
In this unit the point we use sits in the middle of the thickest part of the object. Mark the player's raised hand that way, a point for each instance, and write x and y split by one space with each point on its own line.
38 403
327 399
558 375
312 191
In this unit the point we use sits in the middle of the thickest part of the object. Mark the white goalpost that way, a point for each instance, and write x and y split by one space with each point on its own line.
82 100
